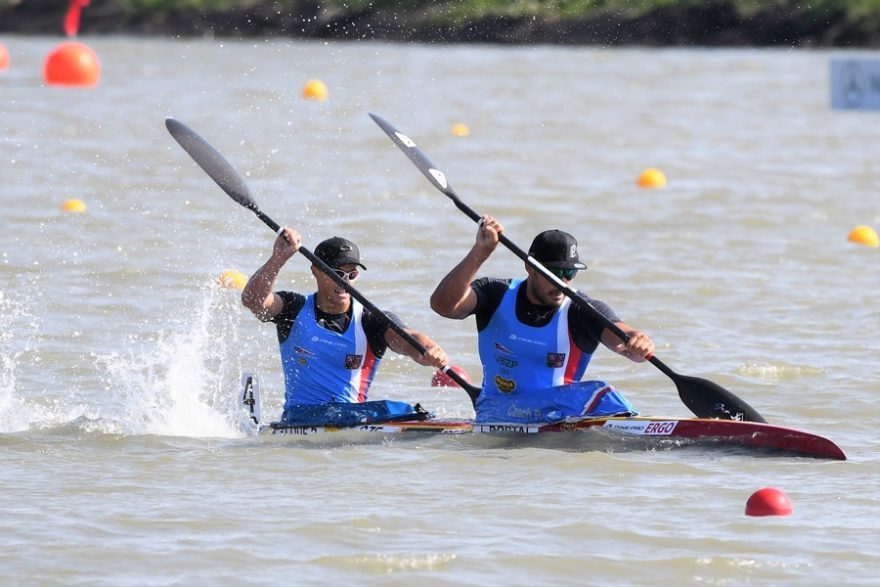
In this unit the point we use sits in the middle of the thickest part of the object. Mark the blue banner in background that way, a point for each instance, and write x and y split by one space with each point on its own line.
855 84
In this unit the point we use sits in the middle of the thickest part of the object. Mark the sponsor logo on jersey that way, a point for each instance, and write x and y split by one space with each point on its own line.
506 361
504 385
527 340
329 341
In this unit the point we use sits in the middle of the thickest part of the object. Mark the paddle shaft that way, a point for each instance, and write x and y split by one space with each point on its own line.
222 172
704 398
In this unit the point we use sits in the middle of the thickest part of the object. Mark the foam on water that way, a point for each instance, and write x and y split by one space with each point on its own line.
179 383
18 332
779 371
183 385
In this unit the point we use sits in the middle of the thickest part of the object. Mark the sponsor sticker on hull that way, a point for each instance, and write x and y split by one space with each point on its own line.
642 428
296 430
495 428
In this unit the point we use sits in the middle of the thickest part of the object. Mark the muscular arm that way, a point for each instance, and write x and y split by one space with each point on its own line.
454 297
258 295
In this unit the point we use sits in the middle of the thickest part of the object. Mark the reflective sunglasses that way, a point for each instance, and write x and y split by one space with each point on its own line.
349 275
567 274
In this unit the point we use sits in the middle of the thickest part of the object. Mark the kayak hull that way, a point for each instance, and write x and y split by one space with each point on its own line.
754 435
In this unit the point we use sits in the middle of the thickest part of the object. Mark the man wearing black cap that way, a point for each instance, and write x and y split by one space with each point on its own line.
331 346
534 343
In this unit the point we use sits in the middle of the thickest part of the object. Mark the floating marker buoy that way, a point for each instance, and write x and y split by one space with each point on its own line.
651 178
232 279
441 379
4 57
459 130
73 205
314 90
864 235
72 64
768 501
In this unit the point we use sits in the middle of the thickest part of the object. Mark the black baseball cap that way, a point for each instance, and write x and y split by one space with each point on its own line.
338 251
556 249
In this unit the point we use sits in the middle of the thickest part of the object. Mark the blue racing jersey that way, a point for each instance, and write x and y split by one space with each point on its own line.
532 371
321 365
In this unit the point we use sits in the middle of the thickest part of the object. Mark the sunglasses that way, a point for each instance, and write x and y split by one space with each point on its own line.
347 275
567 274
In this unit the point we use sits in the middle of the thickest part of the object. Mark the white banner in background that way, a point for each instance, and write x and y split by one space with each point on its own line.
855 84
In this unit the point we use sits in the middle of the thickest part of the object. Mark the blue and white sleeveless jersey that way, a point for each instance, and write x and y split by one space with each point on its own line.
322 366
523 364
516 356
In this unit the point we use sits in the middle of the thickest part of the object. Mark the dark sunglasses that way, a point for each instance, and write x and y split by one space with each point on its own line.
564 273
347 275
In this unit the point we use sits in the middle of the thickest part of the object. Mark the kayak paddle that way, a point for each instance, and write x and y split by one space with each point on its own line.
222 172
704 398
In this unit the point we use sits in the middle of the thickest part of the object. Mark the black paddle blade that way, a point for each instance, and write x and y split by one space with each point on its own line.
707 399
214 164
416 155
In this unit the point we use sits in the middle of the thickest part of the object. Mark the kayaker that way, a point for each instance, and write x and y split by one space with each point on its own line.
534 343
331 346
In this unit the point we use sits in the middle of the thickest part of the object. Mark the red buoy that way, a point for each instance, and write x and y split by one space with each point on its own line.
441 379
4 57
768 501
72 64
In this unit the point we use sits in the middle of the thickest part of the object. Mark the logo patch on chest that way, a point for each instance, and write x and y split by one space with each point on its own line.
353 361
504 385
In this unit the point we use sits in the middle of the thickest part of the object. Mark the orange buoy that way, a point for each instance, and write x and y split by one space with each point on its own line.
72 64
441 379
651 178
768 501
314 90
4 57
864 235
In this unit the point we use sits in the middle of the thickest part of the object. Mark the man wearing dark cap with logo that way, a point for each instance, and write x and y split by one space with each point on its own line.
331 346
534 343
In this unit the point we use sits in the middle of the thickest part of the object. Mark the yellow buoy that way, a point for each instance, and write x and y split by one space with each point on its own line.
73 205
651 178
232 279
459 130
314 90
864 235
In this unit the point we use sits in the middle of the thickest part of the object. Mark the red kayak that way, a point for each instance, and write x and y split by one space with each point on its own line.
763 437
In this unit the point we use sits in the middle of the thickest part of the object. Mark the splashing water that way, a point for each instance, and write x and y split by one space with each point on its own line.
18 331
185 385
